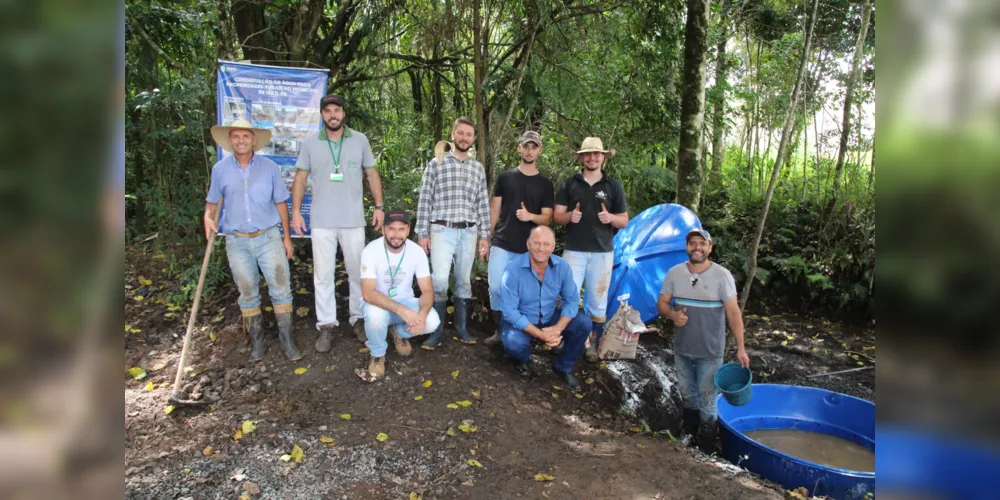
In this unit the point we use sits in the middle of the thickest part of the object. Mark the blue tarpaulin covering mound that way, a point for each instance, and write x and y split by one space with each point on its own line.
652 243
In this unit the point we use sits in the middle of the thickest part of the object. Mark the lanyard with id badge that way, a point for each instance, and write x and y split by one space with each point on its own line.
392 272
336 176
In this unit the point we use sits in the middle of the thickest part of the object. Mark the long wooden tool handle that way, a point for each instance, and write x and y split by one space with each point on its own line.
197 302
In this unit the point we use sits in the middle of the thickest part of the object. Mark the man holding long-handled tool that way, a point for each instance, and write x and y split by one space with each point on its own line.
257 201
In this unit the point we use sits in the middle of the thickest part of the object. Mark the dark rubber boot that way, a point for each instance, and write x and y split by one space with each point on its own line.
690 418
494 340
285 335
708 434
434 340
461 320
254 324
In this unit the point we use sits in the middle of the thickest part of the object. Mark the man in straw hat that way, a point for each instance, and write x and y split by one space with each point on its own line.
256 202
592 206
452 213
336 158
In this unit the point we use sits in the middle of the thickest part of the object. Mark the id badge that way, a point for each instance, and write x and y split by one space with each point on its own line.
337 177
392 292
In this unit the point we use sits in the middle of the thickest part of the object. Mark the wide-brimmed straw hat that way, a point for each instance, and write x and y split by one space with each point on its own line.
220 133
594 145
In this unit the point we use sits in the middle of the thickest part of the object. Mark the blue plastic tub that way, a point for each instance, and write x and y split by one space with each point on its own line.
801 408
735 383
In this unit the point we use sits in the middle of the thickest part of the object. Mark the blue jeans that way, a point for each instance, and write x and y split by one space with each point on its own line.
592 270
517 343
696 378
452 245
499 258
266 252
378 321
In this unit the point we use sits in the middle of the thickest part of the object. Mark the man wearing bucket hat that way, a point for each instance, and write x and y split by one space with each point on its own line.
592 207
335 158
703 294
256 201
522 200
389 266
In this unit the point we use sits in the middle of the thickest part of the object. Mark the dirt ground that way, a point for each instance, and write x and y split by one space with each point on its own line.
502 437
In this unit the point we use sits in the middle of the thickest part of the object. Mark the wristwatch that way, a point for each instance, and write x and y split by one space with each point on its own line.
380 207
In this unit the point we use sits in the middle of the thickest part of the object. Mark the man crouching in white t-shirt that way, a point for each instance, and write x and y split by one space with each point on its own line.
388 266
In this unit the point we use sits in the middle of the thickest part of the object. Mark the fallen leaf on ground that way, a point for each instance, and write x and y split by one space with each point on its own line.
238 435
543 477
137 373
300 370
326 439
149 386
363 350
286 457
453 406
428 383
578 395
474 463
168 409
345 416
302 291
297 454
464 403
451 431
415 496
208 451
382 437
211 335
555 395
302 311
475 394
589 381
556 387
545 494
417 398
468 428
138 298
145 281
248 426
251 488
455 373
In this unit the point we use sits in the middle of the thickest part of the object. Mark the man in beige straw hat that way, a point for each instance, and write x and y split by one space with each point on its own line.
339 158
592 207
256 202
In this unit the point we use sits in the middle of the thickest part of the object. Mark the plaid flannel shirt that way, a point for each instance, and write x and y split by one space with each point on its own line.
454 192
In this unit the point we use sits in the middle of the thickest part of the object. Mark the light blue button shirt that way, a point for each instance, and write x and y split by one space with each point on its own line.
250 193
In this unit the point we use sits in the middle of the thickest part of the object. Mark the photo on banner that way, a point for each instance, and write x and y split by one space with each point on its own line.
282 99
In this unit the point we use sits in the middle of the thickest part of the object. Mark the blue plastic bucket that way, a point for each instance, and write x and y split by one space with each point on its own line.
735 383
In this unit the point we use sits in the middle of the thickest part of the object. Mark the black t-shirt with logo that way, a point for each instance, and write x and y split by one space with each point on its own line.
535 191
590 234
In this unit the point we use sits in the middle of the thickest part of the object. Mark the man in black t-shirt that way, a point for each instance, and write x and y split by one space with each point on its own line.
522 200
592 207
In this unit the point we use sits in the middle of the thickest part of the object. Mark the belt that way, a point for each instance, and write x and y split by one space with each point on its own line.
250 235
454 225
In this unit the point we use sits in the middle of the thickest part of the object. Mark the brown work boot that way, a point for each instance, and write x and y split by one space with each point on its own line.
325 340
375 370
359 331
402 345
591 353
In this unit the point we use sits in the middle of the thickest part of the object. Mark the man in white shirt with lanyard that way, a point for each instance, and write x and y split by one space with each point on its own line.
388 267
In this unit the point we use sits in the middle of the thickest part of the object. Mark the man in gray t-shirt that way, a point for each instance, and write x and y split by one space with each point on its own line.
337 158
699 296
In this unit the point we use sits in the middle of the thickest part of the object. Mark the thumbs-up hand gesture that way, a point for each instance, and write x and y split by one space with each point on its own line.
576 215
604 215
681 318
524 215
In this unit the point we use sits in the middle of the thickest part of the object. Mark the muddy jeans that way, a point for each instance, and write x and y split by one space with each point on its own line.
266 252
696 379
592 270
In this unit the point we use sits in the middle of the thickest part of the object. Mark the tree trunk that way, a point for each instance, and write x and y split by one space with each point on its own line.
785 133
437 101
719 106
251 28
852 80
479 65
692 105
416 90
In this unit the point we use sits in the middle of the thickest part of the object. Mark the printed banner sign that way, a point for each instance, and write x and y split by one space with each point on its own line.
284 100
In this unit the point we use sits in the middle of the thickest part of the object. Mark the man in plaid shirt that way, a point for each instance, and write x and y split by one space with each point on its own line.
452 213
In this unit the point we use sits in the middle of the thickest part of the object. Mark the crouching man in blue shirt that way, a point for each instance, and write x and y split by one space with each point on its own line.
531 284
